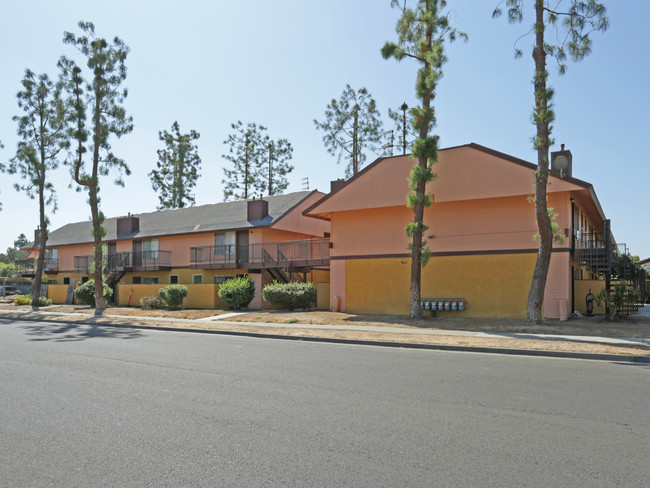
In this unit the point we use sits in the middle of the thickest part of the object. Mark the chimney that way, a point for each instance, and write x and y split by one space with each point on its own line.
257 209
562 161
37 236
336 185
127 225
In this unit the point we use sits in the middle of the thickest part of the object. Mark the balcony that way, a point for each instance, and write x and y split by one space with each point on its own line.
27 267
211 257
310 252
127 261
594 251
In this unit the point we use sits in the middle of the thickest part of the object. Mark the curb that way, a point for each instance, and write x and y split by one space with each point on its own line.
360 342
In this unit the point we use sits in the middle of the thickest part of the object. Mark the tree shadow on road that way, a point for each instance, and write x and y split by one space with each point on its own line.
69 332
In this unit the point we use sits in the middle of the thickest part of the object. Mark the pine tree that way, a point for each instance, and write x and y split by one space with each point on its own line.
579 19
42 128
276 158
245 151
177 168
421 35
403 126
352 124
97 101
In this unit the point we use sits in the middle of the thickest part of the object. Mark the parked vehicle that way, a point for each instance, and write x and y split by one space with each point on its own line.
10 290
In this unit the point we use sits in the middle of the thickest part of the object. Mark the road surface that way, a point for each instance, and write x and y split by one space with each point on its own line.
85 406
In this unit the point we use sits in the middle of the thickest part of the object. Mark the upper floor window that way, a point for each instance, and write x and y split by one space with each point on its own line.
224 243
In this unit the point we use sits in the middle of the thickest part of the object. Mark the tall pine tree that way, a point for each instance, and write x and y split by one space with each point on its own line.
177 169
276 160
352 125
42 128
96 112
403 121
422 32
578 20
245 151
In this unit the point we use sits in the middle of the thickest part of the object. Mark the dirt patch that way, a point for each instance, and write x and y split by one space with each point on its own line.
487 342
633 327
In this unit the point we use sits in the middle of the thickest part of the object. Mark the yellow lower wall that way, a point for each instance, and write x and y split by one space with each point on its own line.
322 295
198 296
57 293
580 290
494 285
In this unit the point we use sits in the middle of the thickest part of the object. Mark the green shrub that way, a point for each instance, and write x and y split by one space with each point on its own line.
42 302
149 303
173 296
237 293
23 300
86 292
290 295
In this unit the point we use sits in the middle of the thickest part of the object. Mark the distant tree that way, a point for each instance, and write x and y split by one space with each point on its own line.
42 128
177 168
7 270
246 149
352 124
579 19
14 253
97 100
422 32
403 121
276 159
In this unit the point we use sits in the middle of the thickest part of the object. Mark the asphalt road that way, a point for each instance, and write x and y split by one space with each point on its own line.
94 407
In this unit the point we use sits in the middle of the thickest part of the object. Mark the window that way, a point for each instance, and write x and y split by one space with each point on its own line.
150 249
150 280
137 280
224 243
85 278
51 282
197 279
66 280
220 279
173 279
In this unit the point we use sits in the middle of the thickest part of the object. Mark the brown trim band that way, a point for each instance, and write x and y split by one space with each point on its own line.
447 253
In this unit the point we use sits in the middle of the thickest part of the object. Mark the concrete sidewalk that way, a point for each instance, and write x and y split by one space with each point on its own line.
198 323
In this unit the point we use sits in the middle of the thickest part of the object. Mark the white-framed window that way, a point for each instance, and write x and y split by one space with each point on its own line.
52 282
173 279
149 280
224 243
197 279
150 248
221 279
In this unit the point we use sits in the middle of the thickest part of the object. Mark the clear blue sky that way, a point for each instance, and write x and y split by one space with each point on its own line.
210 63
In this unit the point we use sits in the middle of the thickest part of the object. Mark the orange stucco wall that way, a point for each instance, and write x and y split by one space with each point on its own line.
463 173
296 222
479 225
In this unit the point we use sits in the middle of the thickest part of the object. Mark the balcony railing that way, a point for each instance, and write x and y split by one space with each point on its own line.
28 266
212 256
123 261
266 255
289 252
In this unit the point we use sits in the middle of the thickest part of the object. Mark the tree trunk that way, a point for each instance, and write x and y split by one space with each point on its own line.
270 170
534 313
355 137
93 197
40 262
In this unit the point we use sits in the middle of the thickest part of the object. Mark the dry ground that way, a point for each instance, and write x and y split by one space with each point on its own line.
589 326
272 323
